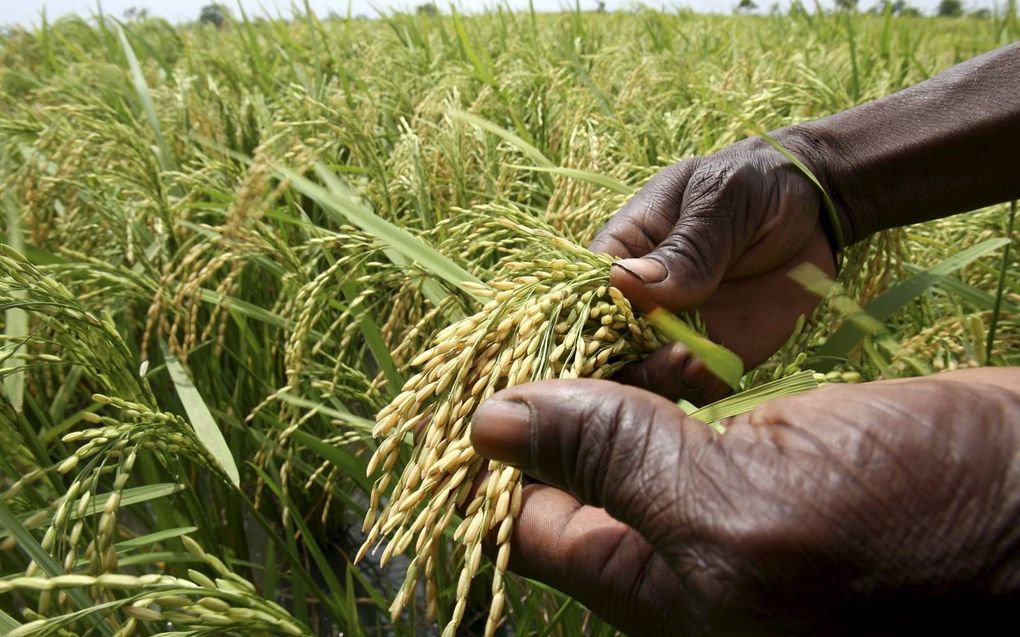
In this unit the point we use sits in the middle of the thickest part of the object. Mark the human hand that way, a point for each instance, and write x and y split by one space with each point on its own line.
889 507
719 234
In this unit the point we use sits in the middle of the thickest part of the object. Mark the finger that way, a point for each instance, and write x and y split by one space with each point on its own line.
685 267
610 445
585 553
648 217
672 372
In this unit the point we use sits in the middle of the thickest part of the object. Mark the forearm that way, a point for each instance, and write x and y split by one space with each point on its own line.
944 146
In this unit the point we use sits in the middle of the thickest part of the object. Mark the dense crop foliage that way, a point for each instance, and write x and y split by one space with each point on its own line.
225 249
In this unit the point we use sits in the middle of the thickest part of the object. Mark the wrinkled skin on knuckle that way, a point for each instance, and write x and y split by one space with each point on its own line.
848 498
631 440
832 512
729 201
647 217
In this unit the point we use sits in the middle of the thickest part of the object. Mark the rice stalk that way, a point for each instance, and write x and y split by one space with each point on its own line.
550 318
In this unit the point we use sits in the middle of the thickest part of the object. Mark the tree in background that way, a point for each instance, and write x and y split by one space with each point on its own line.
797 8
846 5
895 7
136 14
950 8
214 14
746 6
428 9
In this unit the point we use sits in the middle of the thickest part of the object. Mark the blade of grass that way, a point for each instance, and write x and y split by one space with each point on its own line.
408 245
340 202
336 591
300 578
352 601
7 623
483 66
166 161
830 207
339 457
747 400
201 419
128 497
726 365
557 616
35 551
840 344
15 318
374 340
582 175
158 536
515 140
355 421
241 306
1001 287
965 292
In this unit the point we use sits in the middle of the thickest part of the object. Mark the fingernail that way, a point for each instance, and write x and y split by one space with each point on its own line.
501 431
648 270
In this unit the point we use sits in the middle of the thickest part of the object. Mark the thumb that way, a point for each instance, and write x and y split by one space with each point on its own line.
609 445
689 262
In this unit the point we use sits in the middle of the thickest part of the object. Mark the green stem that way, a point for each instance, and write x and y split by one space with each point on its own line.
1002 285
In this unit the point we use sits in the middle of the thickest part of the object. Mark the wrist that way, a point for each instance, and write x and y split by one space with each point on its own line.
830 164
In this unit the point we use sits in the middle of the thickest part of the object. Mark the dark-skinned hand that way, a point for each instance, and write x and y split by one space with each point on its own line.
891 507
718 235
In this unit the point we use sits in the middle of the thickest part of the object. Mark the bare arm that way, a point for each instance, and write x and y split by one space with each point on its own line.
944 146
718 234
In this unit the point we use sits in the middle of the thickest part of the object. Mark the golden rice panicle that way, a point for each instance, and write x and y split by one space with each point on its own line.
550 318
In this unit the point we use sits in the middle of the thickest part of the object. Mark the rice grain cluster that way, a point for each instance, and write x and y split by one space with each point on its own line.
553 318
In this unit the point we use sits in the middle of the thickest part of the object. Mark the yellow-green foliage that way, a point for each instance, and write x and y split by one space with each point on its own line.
157 217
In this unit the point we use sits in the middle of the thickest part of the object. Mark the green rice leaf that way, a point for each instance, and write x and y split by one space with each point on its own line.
582 175
338 200
747 400
7 623
16 319
158 536
515 140
977 297
355 421
1000 288
35 551
128 497
840 344
830 207
201 418
241 306
145 98
726 365
339 457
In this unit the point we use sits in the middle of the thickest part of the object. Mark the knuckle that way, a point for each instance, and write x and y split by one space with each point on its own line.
693 252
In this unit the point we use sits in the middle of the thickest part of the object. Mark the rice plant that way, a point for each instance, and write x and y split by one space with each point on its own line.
256 279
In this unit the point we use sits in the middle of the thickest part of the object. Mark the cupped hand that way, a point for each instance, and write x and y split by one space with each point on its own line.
890 507
718 235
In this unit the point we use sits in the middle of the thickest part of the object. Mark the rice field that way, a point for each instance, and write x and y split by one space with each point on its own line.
256 279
